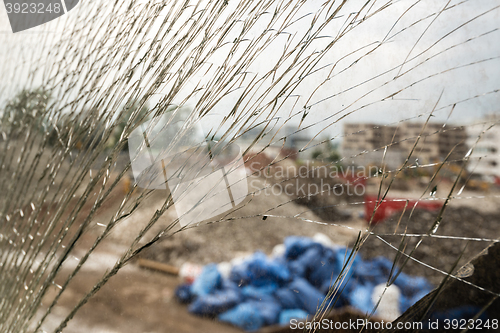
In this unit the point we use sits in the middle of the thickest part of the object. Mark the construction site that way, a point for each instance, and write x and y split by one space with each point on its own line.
278 166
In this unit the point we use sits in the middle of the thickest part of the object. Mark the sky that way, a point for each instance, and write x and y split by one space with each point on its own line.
450 58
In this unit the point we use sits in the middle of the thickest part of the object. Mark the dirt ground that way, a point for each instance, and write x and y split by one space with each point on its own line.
462 233
140 300
135 300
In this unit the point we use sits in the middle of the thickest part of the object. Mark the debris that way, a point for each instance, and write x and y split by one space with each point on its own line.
388 207
208 281
458 226
189 272
287 315
388 308
458 301
262 291
169 269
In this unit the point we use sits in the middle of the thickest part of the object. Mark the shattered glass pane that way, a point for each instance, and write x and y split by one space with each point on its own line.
333 160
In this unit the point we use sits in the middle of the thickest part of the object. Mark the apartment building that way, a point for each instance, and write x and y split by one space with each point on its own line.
365 143
485 157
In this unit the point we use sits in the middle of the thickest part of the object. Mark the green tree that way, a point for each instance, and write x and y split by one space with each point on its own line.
28 108
328 153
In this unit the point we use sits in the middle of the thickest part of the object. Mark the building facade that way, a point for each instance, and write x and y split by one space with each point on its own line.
366 143
485 141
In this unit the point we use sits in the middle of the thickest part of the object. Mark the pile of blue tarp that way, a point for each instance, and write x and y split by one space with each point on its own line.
264 291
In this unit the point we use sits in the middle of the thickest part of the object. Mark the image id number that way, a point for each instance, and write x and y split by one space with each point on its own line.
478 324
33 8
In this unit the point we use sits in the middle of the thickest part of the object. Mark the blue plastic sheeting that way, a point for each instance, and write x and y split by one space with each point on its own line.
260 271
244 315
286 297
253 292
360 297
216 303
263 291
184 294
287 315
412 289
309 298
208 281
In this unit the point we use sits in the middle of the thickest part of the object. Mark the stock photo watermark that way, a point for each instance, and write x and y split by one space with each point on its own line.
24 15
172 153
364 324
205 177
311 180
358 324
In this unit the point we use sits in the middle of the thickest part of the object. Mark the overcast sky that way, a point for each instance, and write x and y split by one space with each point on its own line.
462 65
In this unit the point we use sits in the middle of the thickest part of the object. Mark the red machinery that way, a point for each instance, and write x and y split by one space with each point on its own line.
390 206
